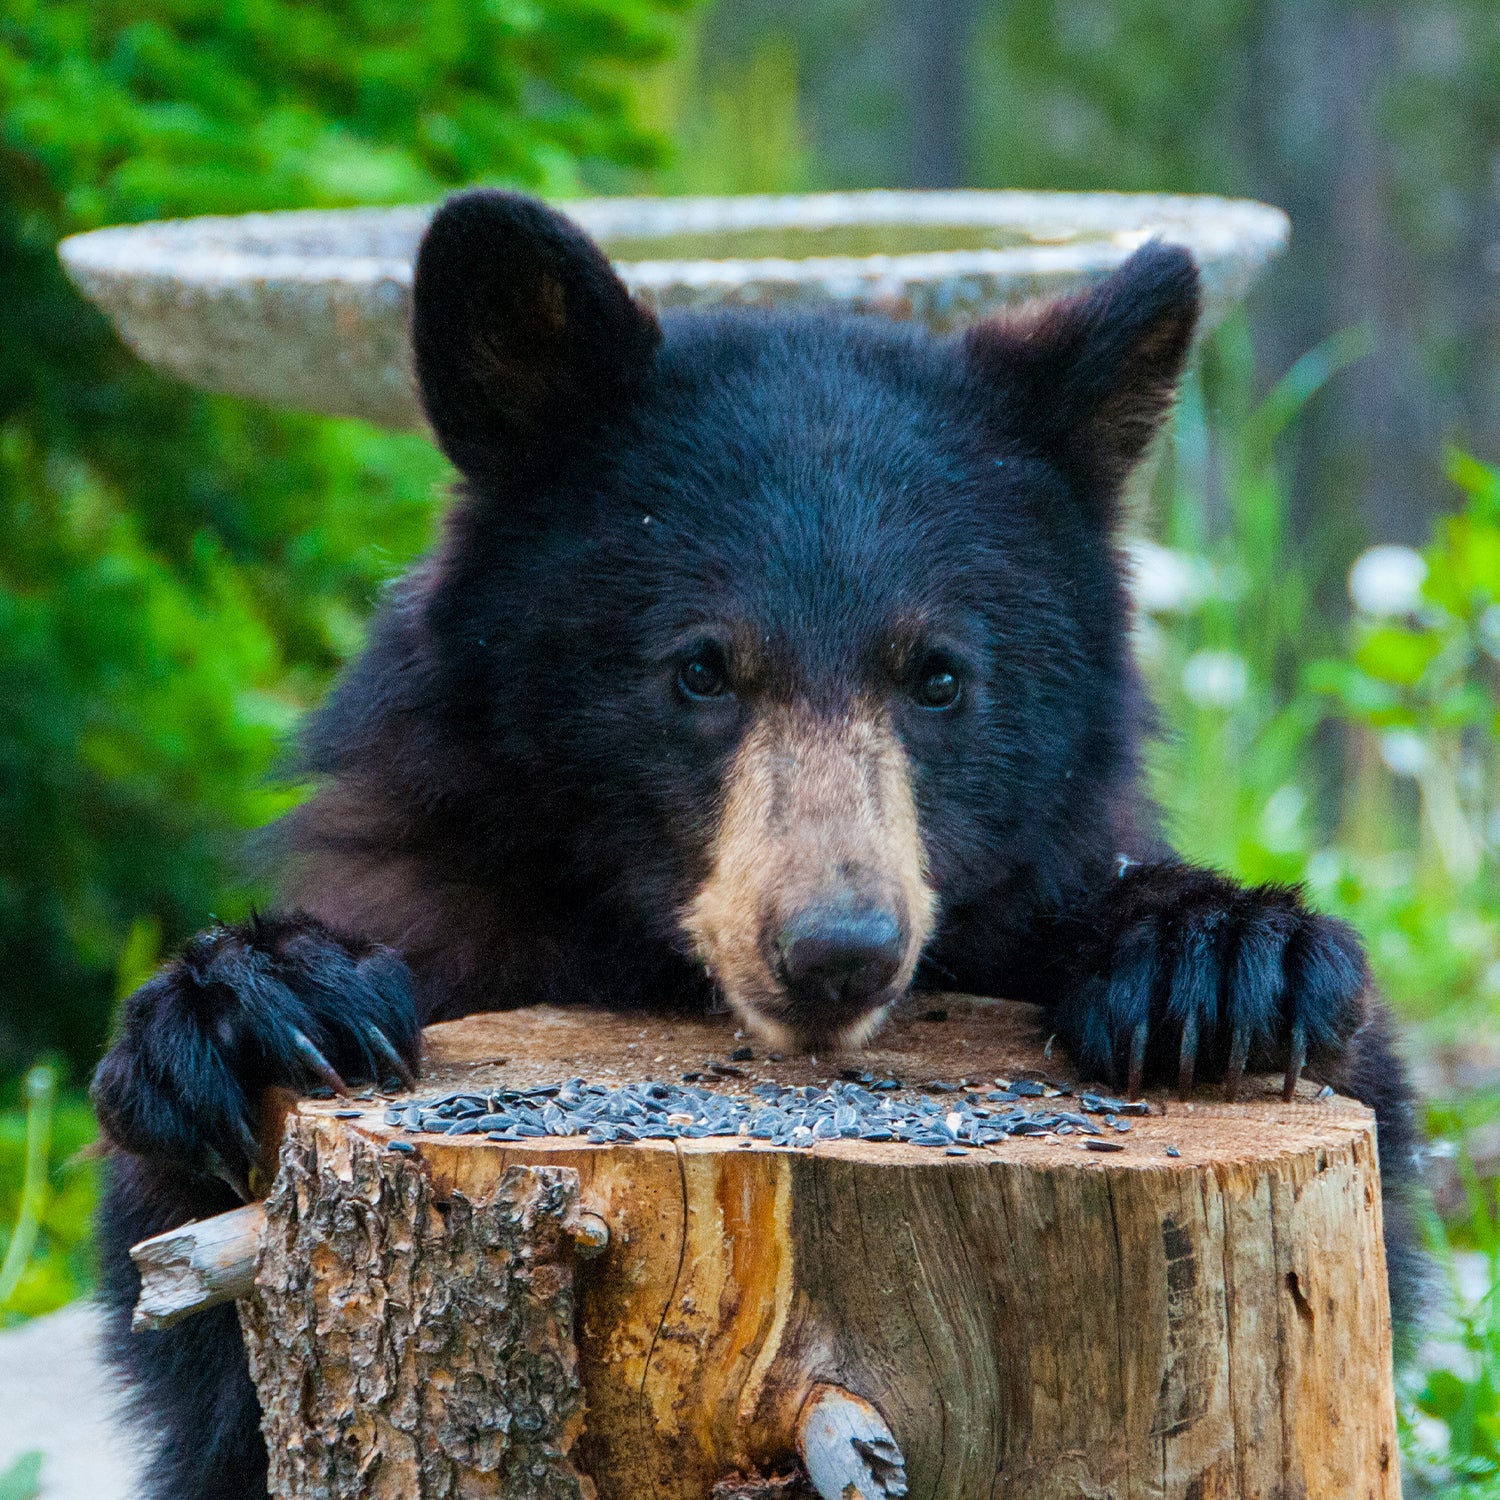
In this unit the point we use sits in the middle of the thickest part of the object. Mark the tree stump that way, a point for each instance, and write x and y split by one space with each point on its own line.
1032 1320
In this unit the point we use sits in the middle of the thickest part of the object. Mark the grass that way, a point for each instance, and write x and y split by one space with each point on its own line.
23 1479
1450 1397
48 1188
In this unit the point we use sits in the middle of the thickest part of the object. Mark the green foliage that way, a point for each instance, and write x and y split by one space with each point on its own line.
48 1186
180 574
180 106
1224 656
737 128
23 1479
1429 673
40 1089
1134 96
1360 759
1420 690
1450 1406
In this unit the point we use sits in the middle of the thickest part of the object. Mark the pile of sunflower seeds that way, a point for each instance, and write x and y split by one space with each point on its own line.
953 1116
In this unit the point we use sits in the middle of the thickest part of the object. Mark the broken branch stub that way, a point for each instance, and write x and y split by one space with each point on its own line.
848 1451
196 1266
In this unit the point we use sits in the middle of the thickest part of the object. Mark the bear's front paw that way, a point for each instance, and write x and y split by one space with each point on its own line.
279 1000
1186 974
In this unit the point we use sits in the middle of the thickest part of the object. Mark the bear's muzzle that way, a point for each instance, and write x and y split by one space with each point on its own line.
817 906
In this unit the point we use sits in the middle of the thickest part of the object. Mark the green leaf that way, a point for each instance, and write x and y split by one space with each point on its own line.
1480 482
1287 398
1360 694
23 1479
1444 1396
1392 653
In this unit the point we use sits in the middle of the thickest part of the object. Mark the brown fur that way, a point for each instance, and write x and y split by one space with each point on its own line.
815 808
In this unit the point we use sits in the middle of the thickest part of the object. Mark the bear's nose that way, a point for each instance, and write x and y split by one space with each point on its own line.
840 954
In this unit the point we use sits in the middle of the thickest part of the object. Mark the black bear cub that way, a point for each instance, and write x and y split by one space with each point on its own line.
785 657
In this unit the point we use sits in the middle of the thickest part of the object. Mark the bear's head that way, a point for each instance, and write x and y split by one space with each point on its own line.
786 640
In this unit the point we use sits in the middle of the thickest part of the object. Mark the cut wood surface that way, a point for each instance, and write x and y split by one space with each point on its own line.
1032 1321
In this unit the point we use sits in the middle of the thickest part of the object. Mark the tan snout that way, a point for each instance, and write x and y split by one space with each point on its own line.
817 906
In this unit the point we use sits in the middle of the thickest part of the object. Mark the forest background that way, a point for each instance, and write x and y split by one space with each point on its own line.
181 575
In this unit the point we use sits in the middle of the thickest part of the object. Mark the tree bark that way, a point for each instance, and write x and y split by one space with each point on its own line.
406 1345
1032 1321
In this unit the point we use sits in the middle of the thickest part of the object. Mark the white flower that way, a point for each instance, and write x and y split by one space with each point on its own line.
1387 580
1281 819
1489 628
1325 868
1404 752
1215 679
1167 582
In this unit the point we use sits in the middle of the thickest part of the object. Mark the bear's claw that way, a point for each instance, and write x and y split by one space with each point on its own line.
1298 1059
278 1001
318 1065
385 1051
1180 976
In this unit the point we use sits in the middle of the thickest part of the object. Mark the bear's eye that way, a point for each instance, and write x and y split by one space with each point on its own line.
703 675
938 685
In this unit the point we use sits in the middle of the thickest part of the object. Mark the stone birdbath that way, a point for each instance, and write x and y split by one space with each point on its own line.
309 310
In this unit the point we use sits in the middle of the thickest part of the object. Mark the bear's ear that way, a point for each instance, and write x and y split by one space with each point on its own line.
1087 379
521 332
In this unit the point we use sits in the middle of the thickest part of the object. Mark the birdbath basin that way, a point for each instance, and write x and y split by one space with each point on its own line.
309 309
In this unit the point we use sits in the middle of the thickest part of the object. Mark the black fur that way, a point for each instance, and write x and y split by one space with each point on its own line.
188 1388
517 801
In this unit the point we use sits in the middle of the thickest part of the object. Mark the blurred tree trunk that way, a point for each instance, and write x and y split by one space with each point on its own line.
1316 150
933 43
